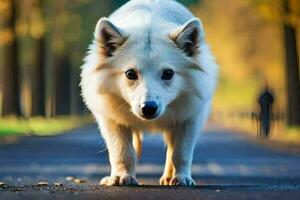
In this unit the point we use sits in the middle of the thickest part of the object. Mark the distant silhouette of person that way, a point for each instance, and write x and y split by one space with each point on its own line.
266 100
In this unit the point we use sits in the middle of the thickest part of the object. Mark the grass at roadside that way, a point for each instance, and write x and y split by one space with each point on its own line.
40 126
290 135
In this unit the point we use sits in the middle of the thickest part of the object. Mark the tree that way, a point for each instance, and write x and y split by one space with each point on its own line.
63 85
38 71
10 68
31 34
292 68
38 96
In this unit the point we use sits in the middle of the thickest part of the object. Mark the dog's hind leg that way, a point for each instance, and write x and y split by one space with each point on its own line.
169 168
121 154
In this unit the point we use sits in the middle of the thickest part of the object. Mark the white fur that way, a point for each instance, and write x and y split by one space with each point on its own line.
148 26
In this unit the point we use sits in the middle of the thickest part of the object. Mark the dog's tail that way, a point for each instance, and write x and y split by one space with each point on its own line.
137 143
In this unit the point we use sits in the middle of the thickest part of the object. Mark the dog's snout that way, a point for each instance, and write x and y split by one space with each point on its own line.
148 108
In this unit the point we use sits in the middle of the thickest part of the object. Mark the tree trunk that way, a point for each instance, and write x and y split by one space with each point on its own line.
10 69
62 86
38 79
292 71
50 63
75 99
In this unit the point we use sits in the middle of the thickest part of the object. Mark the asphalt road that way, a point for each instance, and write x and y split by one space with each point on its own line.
226 166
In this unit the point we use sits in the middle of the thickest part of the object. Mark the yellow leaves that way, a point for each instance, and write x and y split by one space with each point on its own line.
269 12
31 23
6 33
295 6
5 9
293 19
37 29
6 36
292 16
22 27
273 10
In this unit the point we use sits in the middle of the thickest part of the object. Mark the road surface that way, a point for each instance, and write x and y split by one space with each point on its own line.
226 166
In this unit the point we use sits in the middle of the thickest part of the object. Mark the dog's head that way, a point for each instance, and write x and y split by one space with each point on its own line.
148 67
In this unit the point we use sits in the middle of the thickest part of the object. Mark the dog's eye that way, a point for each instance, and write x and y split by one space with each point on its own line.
167 74
131 74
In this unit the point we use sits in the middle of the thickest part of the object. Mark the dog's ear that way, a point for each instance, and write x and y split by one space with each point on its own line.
188 36
108 37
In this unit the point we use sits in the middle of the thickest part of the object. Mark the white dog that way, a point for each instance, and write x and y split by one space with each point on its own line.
149 69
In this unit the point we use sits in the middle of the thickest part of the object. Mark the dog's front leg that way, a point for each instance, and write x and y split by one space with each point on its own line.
122 156
169 167
184 138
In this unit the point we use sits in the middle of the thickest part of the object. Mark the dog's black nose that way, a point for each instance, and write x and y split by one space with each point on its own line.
149 108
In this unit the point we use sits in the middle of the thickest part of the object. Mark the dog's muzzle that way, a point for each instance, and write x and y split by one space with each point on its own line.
149 109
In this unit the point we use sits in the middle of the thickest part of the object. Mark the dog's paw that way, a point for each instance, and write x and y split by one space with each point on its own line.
165 180
128 179
125 179
182 181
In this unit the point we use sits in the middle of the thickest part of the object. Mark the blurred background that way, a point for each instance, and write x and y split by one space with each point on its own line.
43 42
